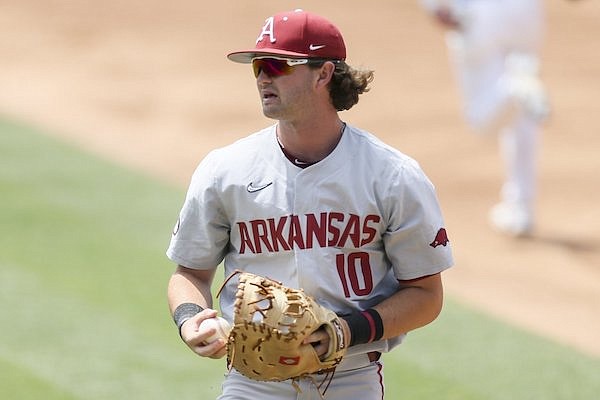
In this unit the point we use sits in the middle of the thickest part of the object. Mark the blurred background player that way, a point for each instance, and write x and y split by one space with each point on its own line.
494 47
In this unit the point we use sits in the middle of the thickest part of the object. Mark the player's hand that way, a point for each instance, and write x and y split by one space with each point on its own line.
194 336
319 339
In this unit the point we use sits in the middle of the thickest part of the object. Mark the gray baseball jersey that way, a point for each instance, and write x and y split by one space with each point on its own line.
345 229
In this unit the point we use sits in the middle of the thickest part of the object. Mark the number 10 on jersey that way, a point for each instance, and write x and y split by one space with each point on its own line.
355 274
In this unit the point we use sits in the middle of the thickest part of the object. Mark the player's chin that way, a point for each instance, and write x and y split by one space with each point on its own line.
271 109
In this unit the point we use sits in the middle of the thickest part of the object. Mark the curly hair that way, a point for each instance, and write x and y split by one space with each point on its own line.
347 84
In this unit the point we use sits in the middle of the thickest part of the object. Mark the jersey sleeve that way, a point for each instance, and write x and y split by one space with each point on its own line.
201 234
415 240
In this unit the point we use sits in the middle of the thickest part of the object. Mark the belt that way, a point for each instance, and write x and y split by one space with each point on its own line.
358 361
374 356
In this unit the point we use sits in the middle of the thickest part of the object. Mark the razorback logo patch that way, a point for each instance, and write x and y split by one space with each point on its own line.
441 239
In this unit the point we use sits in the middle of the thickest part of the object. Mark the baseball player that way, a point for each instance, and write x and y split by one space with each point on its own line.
315 203
494 46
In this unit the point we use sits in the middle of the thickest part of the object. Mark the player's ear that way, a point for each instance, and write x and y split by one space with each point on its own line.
325 73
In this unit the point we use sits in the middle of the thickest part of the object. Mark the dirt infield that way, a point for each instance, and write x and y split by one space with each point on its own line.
147 84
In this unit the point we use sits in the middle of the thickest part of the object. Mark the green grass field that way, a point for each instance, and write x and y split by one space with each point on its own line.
83 300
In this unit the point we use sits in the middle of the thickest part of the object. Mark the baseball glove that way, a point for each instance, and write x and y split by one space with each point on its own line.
270 324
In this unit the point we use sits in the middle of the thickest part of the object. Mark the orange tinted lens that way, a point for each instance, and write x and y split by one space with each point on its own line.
271 67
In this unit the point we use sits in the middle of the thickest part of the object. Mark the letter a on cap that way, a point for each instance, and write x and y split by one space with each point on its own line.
267 30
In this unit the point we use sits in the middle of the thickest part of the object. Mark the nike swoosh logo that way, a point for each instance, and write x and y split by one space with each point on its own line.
251 188
314 47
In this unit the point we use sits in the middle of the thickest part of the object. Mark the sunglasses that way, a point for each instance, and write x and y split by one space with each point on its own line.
274 66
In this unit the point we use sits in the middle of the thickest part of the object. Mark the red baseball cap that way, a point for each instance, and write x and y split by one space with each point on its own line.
296 34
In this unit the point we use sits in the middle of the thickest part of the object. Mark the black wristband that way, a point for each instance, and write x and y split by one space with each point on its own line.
183 312
365 326
375 322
